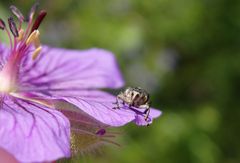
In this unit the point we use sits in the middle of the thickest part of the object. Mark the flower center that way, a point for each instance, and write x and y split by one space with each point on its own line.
20 42
5 85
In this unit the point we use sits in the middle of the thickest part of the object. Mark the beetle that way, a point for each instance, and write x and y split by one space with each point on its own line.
135 97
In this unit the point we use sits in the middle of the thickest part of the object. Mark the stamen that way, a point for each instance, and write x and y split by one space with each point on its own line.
36 52
30 19
13 27
2 24
10 37
39 20
21 34
34 38
17 13
32 11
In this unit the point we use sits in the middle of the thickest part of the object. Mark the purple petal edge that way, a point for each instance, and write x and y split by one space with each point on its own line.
140 120
100 105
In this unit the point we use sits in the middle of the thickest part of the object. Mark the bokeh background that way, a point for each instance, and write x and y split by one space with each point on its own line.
186 53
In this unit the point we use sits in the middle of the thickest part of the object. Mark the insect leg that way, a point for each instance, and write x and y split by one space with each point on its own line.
147 111
117 103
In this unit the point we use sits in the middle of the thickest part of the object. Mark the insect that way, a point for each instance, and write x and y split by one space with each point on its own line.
136 97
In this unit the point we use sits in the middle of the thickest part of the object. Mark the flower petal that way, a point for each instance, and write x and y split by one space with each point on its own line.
87 134
33 133
140 120
100 105
71 69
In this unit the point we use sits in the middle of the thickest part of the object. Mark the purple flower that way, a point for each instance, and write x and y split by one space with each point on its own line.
43 90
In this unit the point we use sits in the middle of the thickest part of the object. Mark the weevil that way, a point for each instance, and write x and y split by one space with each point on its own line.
134 97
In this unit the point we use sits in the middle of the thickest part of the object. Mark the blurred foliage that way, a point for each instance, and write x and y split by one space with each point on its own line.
186 53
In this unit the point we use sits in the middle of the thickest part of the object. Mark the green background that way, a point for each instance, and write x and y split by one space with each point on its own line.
186 53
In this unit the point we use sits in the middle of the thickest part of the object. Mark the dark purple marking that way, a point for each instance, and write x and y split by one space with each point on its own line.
101 132
13 27
2 24
39 20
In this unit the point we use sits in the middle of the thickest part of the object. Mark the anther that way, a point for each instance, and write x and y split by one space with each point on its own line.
34 38
13 27
17 13
36 52
2 24
39 20
21 34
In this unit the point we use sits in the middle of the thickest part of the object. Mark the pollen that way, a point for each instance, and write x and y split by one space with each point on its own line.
36 52
21 34
34 39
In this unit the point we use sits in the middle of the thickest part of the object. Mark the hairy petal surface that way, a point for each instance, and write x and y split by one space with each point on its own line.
100 105
87 133
71 69
33 133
